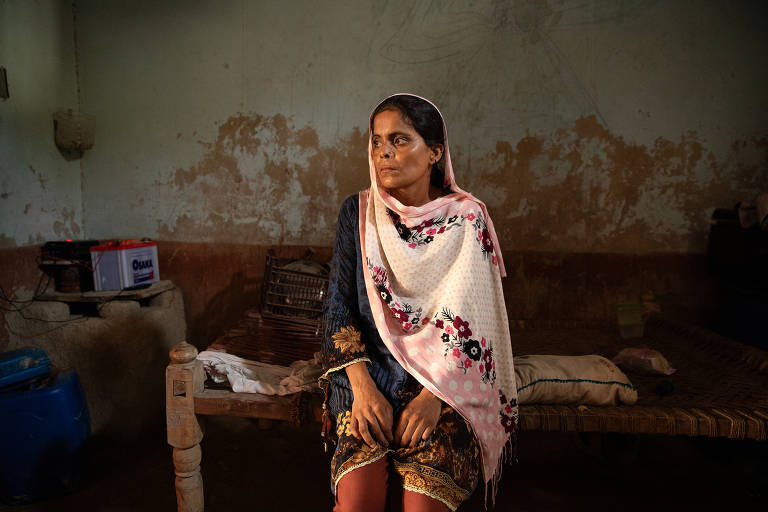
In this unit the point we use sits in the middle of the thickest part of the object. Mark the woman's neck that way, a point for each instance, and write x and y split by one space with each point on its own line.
412 197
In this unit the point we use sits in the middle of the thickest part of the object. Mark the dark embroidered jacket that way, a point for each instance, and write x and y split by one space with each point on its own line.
350 332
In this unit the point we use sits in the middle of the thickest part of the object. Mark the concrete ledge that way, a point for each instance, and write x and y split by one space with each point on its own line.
119 308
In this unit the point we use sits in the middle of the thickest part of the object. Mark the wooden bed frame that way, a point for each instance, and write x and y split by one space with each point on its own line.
733 403
186 397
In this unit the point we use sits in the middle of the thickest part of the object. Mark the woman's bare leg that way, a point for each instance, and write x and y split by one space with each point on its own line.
418 502
363 489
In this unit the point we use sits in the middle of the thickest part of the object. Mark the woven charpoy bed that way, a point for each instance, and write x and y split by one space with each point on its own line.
720 388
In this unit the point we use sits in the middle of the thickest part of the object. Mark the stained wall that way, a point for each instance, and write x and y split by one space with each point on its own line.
40 191
587 127
599 133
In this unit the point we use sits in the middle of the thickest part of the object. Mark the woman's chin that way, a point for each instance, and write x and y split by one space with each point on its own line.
389 182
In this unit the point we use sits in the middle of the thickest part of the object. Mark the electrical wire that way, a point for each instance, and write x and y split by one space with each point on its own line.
36 294
61 323
19 305
8 304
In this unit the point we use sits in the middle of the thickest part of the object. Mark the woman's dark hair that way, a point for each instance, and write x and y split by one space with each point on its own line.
425 119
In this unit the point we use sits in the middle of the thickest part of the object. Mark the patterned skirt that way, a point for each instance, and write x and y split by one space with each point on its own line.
444 467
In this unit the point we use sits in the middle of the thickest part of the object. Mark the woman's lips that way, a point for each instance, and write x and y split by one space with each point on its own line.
387 169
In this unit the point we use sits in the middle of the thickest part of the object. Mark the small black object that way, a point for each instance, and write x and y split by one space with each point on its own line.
69 250
665 387
69 264
4 84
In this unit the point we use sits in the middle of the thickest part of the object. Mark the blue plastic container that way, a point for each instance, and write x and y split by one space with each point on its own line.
21 367
43 430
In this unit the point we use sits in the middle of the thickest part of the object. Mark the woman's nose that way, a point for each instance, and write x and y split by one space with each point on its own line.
386 150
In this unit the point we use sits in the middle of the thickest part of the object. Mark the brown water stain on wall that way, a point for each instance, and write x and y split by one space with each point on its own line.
263 179
66 227
582 188
586 189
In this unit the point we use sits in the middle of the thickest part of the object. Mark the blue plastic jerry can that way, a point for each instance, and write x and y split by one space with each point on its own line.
44 425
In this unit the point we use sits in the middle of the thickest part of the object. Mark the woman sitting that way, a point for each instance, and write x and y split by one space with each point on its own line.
419 364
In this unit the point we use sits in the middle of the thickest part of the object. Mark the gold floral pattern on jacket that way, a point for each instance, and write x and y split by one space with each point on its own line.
347 340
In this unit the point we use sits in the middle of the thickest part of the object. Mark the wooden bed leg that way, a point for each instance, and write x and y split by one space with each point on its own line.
183 378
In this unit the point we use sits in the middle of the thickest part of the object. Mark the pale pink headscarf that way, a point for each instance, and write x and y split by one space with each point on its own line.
448 181
436 298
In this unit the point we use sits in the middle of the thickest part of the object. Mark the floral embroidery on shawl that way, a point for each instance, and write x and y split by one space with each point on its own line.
409 318
508 413
428 230
459 344
483 236
423 233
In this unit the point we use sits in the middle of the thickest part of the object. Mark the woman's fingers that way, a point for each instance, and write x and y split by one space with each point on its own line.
385 420
400 428
365 432
427 432
410 431
353 427
372 424
418 433
410 428
375 428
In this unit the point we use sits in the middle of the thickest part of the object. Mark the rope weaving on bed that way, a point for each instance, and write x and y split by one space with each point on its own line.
720 387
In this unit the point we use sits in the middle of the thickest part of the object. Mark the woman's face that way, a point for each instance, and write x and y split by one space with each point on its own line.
402 159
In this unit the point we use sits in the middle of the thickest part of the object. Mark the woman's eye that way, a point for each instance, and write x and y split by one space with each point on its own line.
401 140
376 143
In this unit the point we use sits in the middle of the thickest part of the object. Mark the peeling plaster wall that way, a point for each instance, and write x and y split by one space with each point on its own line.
598 132
39 190
594 126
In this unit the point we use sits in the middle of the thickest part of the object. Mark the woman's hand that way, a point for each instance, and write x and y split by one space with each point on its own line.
419 419
371 418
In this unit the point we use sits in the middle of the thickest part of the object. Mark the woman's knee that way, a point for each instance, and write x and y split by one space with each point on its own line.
363 489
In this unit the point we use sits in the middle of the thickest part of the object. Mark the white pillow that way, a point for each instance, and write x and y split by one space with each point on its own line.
592 380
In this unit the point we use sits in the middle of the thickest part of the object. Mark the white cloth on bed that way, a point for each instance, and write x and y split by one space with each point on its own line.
246 376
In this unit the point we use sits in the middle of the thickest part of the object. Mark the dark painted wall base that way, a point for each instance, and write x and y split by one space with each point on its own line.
220 281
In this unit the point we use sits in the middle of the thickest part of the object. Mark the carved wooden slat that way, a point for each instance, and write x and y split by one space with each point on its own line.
184 378
249 405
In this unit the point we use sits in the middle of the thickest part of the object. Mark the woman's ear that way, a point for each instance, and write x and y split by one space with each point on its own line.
437 153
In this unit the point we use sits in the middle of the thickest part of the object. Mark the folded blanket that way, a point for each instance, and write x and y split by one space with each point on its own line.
246 376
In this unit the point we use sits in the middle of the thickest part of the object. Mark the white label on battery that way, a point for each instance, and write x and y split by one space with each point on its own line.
142 267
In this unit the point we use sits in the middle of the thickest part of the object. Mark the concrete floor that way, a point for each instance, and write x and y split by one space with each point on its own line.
248 468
